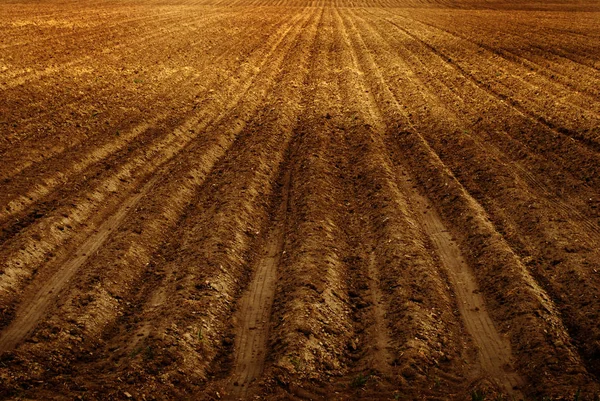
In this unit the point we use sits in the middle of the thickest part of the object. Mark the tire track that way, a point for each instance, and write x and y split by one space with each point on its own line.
202 163
414 142
229 274
547 189
30 313
404 232
494 351
254 313
380 349
168 138
154 309
496 184
194 122
405 196
391 99
311 322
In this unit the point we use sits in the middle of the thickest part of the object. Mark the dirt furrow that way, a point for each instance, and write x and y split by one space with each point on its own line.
553 68
76 68
381 352
25 257
399 159
157 309
407 195
140 87
509 288
252 319
53 25
106 301
58 172
311 311
253 316
229 262
581 132
27 260
559 237
471 114
509 151
81 63
277 199
29 313
132 79
494 351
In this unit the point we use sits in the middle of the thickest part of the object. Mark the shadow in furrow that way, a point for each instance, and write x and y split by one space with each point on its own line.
254 313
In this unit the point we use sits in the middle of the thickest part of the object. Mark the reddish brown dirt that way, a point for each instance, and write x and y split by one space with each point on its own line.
277 199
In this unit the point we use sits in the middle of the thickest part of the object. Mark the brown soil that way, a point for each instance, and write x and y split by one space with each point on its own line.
375 199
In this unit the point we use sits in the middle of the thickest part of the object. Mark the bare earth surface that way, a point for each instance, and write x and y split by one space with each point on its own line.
285 199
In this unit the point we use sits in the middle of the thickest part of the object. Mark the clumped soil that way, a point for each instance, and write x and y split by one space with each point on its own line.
300 200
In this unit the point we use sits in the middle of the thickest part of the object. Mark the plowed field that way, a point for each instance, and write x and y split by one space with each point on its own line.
286 199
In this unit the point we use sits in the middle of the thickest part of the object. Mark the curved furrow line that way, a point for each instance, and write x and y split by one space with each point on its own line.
88 82
473 115
563 44
547 44
510 81
495 352
202 212
583 166
585 58
503 93
561 25
468 110
27 249
163 87
398 107
543 64
58 171
559 247
82 64
448 204
572 207
520 40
